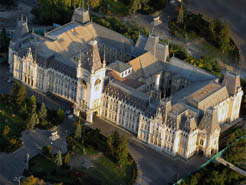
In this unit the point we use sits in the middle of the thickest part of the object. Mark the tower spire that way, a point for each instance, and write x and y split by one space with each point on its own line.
104 59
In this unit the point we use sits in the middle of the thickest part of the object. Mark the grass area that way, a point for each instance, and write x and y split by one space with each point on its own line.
11 117
108 172
112 7
43 167
104 171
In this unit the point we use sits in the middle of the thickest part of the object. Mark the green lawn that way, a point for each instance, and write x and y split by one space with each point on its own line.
108 172
44 168
105 171
10 116
110 7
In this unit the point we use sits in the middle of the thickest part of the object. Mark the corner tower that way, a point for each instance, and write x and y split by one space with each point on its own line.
90 75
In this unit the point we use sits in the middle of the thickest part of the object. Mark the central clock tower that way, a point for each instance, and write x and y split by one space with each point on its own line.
90 76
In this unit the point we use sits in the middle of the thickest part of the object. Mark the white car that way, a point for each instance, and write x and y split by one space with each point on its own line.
54 136
70 116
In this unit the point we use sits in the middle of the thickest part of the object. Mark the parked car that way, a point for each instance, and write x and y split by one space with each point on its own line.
54 135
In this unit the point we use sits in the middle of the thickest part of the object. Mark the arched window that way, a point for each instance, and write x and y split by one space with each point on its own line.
201 142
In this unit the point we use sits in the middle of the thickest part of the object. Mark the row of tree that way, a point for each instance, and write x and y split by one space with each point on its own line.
118 148
4 42
60 11
214 31
207 63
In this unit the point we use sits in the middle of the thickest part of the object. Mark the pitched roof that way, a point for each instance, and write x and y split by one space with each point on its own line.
208 96
209 121
232 82
145 66
119 66
91 60
129 82
151 44
81 15
188 71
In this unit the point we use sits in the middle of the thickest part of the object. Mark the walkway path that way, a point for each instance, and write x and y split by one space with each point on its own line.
230 165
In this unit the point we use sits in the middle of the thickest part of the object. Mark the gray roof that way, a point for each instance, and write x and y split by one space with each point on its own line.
119 66
81 15
180 95
188 71
91 60
127 94
152 44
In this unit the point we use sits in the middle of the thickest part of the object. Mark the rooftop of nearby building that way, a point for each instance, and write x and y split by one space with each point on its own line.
188 71
205 91
119 66
127 81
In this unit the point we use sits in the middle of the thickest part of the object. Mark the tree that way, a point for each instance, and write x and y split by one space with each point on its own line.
43 114
122 152
60 115
94 3
21 95
110 145
224 38
180 17
33 104
6 130
67 158
116 139
31 180
4 41
134 6
14 89
77 133
59 158
32 121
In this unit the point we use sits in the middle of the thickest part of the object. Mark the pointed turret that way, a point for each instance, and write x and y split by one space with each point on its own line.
21 28
232 82
210 121
91 60
81 15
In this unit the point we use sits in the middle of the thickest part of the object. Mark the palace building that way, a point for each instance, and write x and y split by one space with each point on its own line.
173 106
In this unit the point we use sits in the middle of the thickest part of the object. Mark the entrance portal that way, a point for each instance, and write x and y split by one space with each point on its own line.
95 115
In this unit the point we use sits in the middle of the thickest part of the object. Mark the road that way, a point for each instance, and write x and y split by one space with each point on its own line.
155 168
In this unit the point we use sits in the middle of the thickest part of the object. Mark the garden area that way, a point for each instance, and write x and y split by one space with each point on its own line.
18 113
91 159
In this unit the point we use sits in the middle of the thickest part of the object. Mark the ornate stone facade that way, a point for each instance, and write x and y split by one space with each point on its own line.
169 104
